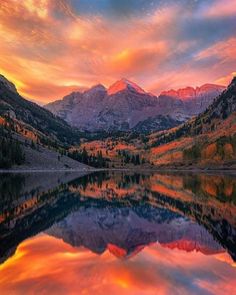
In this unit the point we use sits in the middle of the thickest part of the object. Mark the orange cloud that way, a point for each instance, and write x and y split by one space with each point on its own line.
131 61
47 48
222 9
226 79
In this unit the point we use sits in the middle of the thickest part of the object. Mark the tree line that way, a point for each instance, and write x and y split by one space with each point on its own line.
97 161
130 159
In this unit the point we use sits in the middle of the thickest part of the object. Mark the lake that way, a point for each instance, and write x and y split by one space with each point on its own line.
117 233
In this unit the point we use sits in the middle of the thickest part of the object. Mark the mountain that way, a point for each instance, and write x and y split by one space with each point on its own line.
188 102
9 85
208 139
26 128
29 113
221 108
121 107
125 106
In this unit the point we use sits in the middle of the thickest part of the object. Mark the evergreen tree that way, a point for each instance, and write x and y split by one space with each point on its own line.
11 153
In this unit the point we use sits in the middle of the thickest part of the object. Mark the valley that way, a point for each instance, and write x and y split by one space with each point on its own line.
205 141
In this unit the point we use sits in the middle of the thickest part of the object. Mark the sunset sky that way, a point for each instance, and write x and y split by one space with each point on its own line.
51 47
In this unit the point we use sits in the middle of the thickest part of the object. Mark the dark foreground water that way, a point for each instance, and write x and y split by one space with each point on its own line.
116 233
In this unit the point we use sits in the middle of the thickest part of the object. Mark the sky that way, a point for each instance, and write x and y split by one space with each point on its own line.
52 47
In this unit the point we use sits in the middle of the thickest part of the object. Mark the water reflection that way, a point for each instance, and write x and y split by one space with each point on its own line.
152 231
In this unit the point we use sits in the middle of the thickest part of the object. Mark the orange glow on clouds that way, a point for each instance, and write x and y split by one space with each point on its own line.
222 8
45 265
48 49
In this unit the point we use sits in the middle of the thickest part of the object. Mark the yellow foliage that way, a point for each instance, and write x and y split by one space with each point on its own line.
228 150
210 151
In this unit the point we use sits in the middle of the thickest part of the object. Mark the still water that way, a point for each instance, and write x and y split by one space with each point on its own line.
117 233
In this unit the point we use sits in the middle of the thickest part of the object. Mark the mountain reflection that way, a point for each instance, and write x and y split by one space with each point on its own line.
125 231
122 213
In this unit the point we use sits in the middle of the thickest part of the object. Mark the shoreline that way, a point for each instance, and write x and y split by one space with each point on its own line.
136 169
45 170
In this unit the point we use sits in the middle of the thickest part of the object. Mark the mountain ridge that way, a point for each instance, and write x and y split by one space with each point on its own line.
124 106
191 92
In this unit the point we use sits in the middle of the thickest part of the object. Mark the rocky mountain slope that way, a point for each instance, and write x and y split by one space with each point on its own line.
39 138
222 107
15 107
120 107
208 139
125 106
188 102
